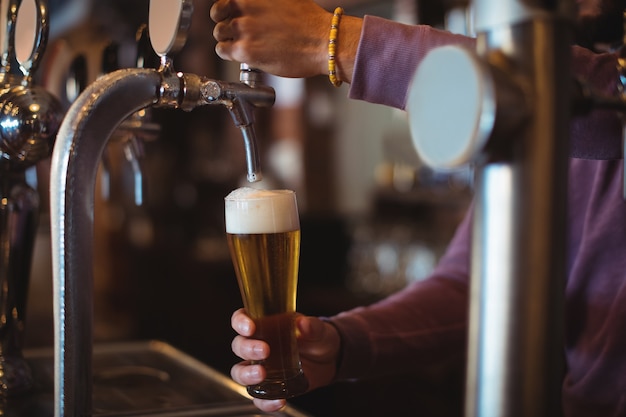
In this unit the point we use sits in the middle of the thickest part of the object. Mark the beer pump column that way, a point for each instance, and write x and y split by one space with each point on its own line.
509 102
83 135
29 119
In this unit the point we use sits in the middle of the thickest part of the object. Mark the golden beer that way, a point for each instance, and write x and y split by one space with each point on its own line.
263 232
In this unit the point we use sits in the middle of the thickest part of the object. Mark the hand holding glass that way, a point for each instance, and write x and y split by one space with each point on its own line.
263 232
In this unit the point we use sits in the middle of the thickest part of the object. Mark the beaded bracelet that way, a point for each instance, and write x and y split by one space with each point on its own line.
332 47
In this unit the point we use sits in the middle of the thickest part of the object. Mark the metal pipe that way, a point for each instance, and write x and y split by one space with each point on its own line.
518 252
80 142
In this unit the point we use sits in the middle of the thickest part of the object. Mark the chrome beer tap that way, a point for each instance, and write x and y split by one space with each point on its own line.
29 119
510 104
83 135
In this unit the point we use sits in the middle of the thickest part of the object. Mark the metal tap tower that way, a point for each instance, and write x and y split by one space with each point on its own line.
514 89
518 260
29 120
83 135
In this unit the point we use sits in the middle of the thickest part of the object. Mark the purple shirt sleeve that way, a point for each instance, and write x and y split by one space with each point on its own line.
425 323
387 56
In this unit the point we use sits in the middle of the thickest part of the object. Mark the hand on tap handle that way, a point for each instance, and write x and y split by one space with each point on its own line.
283 37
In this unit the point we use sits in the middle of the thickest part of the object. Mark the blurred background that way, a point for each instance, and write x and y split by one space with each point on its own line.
373 217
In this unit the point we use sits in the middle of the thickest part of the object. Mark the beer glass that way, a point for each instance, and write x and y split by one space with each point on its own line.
263 232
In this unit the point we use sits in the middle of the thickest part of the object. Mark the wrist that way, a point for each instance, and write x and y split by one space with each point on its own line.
347 45
341 43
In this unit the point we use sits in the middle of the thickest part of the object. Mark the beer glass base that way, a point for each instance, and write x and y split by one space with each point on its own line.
274 390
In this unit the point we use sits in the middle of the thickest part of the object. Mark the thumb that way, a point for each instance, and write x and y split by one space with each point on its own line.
318 341
310 328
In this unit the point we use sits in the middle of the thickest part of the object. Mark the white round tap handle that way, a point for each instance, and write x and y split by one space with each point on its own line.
168 24
30 34
451 105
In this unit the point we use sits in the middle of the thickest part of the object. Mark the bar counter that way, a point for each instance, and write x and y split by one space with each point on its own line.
149 378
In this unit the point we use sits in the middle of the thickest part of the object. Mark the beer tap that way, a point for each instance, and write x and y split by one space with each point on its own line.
82 137
510 100
29 119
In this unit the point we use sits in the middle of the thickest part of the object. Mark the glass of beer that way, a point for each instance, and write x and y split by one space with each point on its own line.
263 232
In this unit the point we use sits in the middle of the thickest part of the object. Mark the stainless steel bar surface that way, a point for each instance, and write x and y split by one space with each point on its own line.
518 256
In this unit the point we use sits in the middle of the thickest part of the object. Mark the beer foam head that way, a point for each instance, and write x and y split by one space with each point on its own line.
249 210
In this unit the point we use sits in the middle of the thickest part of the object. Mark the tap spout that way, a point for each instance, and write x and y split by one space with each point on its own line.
241 99
80 143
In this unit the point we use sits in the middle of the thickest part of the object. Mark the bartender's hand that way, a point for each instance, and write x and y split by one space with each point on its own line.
318 342
283 37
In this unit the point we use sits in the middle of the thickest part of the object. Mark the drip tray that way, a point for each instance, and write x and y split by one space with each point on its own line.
142 379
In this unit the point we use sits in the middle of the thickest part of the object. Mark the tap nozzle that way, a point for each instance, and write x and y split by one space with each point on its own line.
241 99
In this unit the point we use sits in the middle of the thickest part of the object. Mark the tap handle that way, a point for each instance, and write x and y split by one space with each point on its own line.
29 115
169 22
26 36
